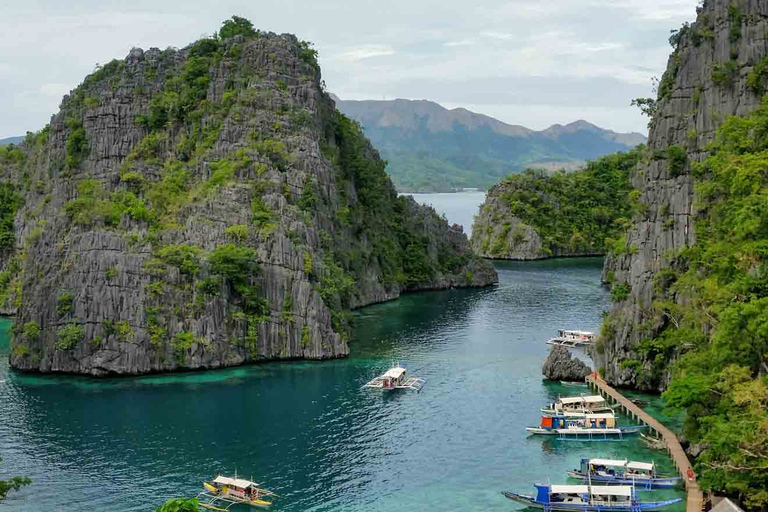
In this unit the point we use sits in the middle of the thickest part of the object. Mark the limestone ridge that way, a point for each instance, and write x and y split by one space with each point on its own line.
208 207
562 366
715 71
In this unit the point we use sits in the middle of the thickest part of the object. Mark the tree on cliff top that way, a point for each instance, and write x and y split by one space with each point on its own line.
236 26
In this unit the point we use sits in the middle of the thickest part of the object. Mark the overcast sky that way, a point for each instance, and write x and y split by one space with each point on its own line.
529 62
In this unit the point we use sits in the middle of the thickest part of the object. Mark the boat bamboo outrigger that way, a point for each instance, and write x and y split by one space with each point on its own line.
396 378
584 404
589 427
566 338
223 492
587 498
607 471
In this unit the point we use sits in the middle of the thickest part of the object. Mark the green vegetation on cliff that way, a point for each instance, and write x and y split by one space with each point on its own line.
719 333
578 212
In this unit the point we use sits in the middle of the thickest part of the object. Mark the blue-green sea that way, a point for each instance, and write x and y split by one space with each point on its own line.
309 432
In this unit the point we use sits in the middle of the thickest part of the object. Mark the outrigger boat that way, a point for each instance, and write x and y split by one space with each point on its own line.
583 404
224 492
567 338
396 378
590 427
587 498
641 474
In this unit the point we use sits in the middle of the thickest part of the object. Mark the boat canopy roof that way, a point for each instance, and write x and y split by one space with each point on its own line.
604 490
612 490
608 462
394 373
234 482
596 399
600 416
568 331
641 465
569 489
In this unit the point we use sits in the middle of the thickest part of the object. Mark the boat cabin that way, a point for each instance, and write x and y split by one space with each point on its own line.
582 336
618 468
393 377
579 404
640 469
237 487
603 495
607 420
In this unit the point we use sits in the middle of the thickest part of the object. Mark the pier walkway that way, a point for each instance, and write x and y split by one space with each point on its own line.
695 499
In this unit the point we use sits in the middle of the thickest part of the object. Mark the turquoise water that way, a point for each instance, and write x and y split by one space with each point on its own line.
307 430
458 207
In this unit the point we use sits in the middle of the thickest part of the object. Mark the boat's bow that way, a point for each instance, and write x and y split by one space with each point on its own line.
522 498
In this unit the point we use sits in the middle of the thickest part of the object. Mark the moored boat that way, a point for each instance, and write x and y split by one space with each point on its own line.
396 378
586 404
223 492
607 471
587 498
567 338
587 427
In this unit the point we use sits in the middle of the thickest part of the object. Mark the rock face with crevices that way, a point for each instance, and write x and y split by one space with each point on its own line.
560 365
711 75
208 207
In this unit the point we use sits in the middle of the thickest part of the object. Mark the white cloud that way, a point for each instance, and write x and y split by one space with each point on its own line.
365 52
553 56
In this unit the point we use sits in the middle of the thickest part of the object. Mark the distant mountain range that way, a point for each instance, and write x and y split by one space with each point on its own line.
11 140
431 148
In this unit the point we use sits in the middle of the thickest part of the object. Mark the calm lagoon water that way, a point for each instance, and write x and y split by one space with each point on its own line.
309 432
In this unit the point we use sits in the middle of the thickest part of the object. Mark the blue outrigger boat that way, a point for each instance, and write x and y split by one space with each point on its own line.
623 472
587 498
583 427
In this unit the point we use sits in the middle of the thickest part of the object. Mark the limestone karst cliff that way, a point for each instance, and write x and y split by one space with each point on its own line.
207 207
717 69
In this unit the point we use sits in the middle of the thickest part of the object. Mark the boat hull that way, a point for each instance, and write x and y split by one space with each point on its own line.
647 483
529 501
586 433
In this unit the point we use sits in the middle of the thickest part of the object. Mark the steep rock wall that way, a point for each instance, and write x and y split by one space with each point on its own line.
208 207
713 73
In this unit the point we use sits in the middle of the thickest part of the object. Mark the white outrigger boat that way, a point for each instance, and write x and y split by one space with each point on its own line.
578 404
396 378
587 498
590 427
623 472
566 338
223 492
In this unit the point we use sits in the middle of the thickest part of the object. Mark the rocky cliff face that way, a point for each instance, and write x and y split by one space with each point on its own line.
716 70
208 207
536 215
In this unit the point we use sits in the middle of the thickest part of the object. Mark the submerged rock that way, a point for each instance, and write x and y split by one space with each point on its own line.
560 365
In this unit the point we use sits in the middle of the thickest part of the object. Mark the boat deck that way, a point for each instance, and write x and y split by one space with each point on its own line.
414 383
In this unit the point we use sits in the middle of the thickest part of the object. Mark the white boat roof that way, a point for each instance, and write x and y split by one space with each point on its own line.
234 482
641 465
569 489
603 490
608 462
577 332
600 416
394 373
595 399
612 490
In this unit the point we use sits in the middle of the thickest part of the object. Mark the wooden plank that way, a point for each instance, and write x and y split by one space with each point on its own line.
695 498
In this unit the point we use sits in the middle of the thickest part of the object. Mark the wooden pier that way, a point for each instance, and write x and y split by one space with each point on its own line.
695 498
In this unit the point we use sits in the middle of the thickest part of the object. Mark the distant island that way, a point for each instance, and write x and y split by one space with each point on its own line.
432 149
